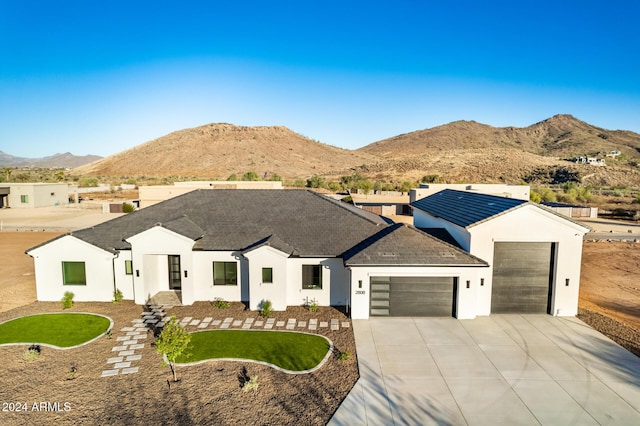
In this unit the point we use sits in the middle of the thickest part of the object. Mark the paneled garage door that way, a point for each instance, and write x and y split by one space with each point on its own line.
413 296
522 277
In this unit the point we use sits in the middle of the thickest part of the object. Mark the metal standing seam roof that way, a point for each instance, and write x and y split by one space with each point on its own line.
404 245
465 208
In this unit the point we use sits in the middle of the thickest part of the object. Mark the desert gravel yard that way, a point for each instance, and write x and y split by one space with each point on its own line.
207 393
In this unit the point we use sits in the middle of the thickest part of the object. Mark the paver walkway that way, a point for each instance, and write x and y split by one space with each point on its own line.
129 340
267 324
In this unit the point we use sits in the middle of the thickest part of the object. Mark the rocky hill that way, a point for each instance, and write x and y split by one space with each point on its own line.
455 152
219 150
561 136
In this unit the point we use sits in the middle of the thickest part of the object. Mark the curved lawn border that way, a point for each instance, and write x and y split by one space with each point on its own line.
48 345
284 370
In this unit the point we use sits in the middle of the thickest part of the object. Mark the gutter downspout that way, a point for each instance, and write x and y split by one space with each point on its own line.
113 270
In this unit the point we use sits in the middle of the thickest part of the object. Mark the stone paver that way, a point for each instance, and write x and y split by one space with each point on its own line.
313 321
237 323
259 323
268 326
203 325
216 323
119 348
194 322
313 327
346 324
122 338
225 325
324 324
271 320
207 319
115 359
106 373
127 352
302 324
130 370
127 329
124 364
249 321
246 326
279 323
134 357
138 346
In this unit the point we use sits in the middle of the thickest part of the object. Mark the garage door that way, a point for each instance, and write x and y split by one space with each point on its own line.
412 296
522 277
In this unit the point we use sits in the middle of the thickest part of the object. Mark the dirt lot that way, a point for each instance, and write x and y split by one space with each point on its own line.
210 393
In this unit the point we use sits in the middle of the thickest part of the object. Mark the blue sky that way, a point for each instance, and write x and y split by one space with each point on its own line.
100 77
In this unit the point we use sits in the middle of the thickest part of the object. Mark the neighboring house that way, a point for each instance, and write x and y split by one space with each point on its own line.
153 194
30 195
534 254
520 192
593 161
292 247
383 205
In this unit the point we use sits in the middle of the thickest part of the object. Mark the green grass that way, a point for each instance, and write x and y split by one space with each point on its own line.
61 330
288 350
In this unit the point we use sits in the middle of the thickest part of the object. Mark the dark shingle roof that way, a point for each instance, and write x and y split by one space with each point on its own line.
465 208
402 244
441 234
304 222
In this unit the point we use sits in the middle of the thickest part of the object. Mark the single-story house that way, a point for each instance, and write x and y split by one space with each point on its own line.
30 195
534 253
290 247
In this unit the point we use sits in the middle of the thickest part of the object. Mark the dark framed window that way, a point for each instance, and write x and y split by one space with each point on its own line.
128 267
225 273
267 275
312 277
73 273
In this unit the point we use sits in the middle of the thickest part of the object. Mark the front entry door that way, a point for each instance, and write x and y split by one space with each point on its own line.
175 282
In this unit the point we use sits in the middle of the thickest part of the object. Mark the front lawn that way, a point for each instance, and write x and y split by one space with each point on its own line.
288 350
61 330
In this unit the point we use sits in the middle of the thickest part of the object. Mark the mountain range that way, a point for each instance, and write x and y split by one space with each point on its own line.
461 151
64 160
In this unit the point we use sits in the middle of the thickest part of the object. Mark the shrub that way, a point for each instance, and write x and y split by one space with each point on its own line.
266 309
251 384
73 371
67 300
312 305
117 296
344 356
32 353
171 343
128 208
220 303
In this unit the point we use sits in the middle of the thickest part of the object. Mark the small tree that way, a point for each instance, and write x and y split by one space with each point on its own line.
172 342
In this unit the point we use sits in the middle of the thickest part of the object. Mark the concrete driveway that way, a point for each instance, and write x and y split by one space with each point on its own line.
502 369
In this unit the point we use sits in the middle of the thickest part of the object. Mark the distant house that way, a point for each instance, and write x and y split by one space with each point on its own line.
593 161
293 247
30 195
520 192
152 194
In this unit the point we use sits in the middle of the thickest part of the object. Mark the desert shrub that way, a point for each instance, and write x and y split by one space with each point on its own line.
67 300
220 303
251 176
117 296
73 371
312 305
535 196
88 182
266 309
32 353
128 208
344 356
251 384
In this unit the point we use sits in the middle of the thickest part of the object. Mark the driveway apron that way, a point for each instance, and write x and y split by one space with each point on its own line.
502 369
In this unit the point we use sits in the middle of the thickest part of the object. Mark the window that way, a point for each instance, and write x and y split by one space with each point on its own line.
312 277
24 199
73 273
128 267
267 275
225 273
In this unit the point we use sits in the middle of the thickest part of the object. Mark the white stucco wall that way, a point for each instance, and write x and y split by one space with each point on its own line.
203 277
149 250
332 270
532 224
425 220
276 292
124 282
466 297
48 269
